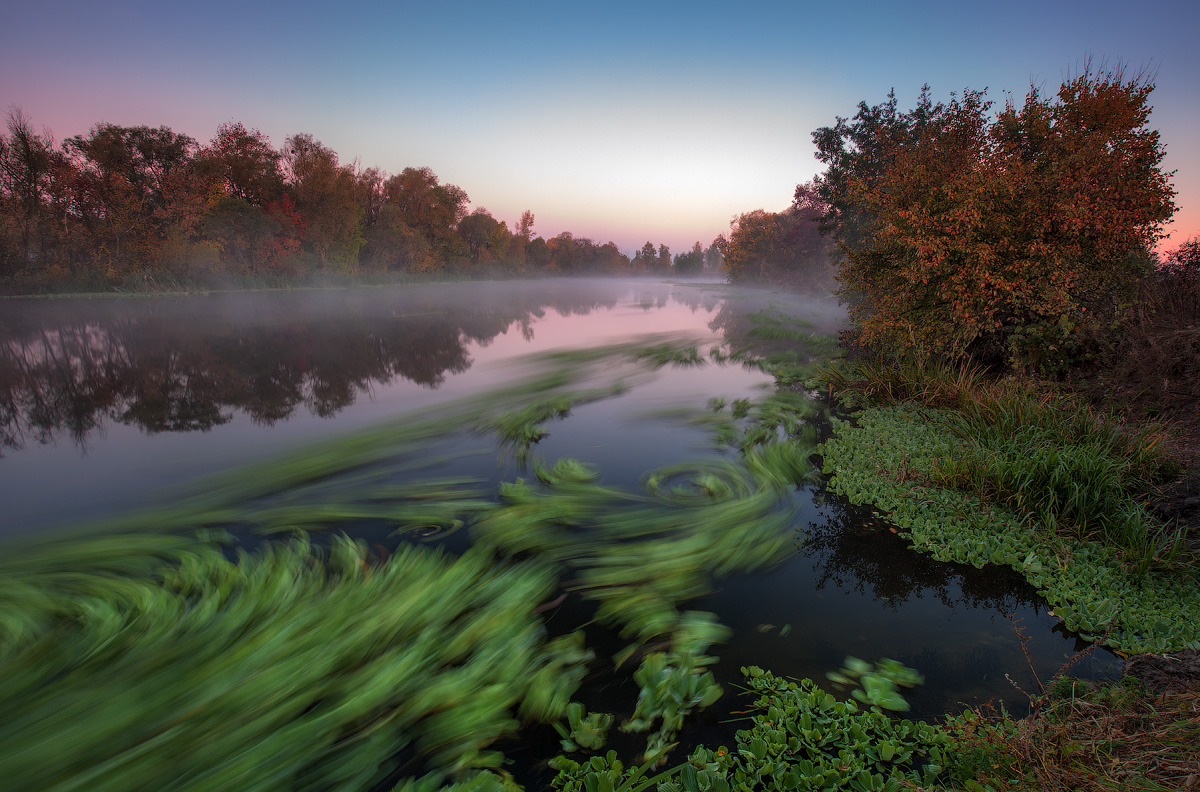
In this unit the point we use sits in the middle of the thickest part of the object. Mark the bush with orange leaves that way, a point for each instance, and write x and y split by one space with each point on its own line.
1015 236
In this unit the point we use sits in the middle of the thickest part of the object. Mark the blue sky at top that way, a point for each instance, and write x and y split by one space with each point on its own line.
628 121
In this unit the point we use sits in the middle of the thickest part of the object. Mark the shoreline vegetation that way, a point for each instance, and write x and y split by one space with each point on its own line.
1023 374
162 583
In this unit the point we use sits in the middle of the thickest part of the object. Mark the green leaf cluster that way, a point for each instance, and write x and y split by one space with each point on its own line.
802 738
879 682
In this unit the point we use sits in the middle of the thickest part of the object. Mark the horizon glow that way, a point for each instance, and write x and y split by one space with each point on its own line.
627 125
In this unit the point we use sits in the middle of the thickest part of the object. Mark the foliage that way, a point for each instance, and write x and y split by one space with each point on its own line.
690 263
1018 235
98 208
147 656
602 774
521 429
288 667
876 683
783 249
802 738
1153 367
1057 463
671 354
675 682
583 730
1066 467
890 459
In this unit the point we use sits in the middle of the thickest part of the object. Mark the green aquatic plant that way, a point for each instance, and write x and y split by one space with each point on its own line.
583 730
802 738
670 354
484 781
675 682
890 459
286 668
603 774
521 429
876 684
341 663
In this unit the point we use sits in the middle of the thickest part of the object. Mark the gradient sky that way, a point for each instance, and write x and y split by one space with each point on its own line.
626 122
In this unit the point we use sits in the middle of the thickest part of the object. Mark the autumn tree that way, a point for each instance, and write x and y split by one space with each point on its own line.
27 169
123 183
521 236
1016 233
244 163
609 258
325 194
663 264
646 259
430 209
476 230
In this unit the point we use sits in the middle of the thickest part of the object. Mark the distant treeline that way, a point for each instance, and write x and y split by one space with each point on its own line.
141 201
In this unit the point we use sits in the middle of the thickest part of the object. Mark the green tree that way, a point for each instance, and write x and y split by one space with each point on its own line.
691 263
714 259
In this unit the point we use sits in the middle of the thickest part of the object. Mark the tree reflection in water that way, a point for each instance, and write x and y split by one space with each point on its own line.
69 367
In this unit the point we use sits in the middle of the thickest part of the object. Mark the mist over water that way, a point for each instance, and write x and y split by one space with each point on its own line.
111 399
108 404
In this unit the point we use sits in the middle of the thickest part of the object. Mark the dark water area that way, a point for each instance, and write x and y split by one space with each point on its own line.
107 404
112 399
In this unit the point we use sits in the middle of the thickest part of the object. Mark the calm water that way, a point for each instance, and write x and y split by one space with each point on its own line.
107 404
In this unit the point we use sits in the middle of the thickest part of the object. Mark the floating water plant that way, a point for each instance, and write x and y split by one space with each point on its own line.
675 682
891 458
287 668
876 684
149 652
583 730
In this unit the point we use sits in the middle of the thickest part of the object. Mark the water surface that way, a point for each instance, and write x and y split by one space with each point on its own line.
112 405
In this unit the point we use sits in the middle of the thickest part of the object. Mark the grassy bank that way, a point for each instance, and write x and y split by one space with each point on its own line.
983 470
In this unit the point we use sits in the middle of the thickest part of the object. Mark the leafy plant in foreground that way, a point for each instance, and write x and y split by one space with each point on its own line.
583 730
285 669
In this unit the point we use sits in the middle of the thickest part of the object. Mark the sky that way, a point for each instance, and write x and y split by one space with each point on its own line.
627 121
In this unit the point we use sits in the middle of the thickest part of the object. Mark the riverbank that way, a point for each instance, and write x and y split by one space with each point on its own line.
1093 508
162 284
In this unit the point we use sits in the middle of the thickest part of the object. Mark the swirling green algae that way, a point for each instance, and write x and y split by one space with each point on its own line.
888 459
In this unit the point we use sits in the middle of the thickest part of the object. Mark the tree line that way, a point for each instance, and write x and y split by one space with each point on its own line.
127 200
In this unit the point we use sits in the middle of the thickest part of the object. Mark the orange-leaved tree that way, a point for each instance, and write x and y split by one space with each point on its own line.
1020 233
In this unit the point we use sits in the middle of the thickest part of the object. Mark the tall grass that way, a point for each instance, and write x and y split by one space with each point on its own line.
1058 464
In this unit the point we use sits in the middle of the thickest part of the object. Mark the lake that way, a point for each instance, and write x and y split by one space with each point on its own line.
116 406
